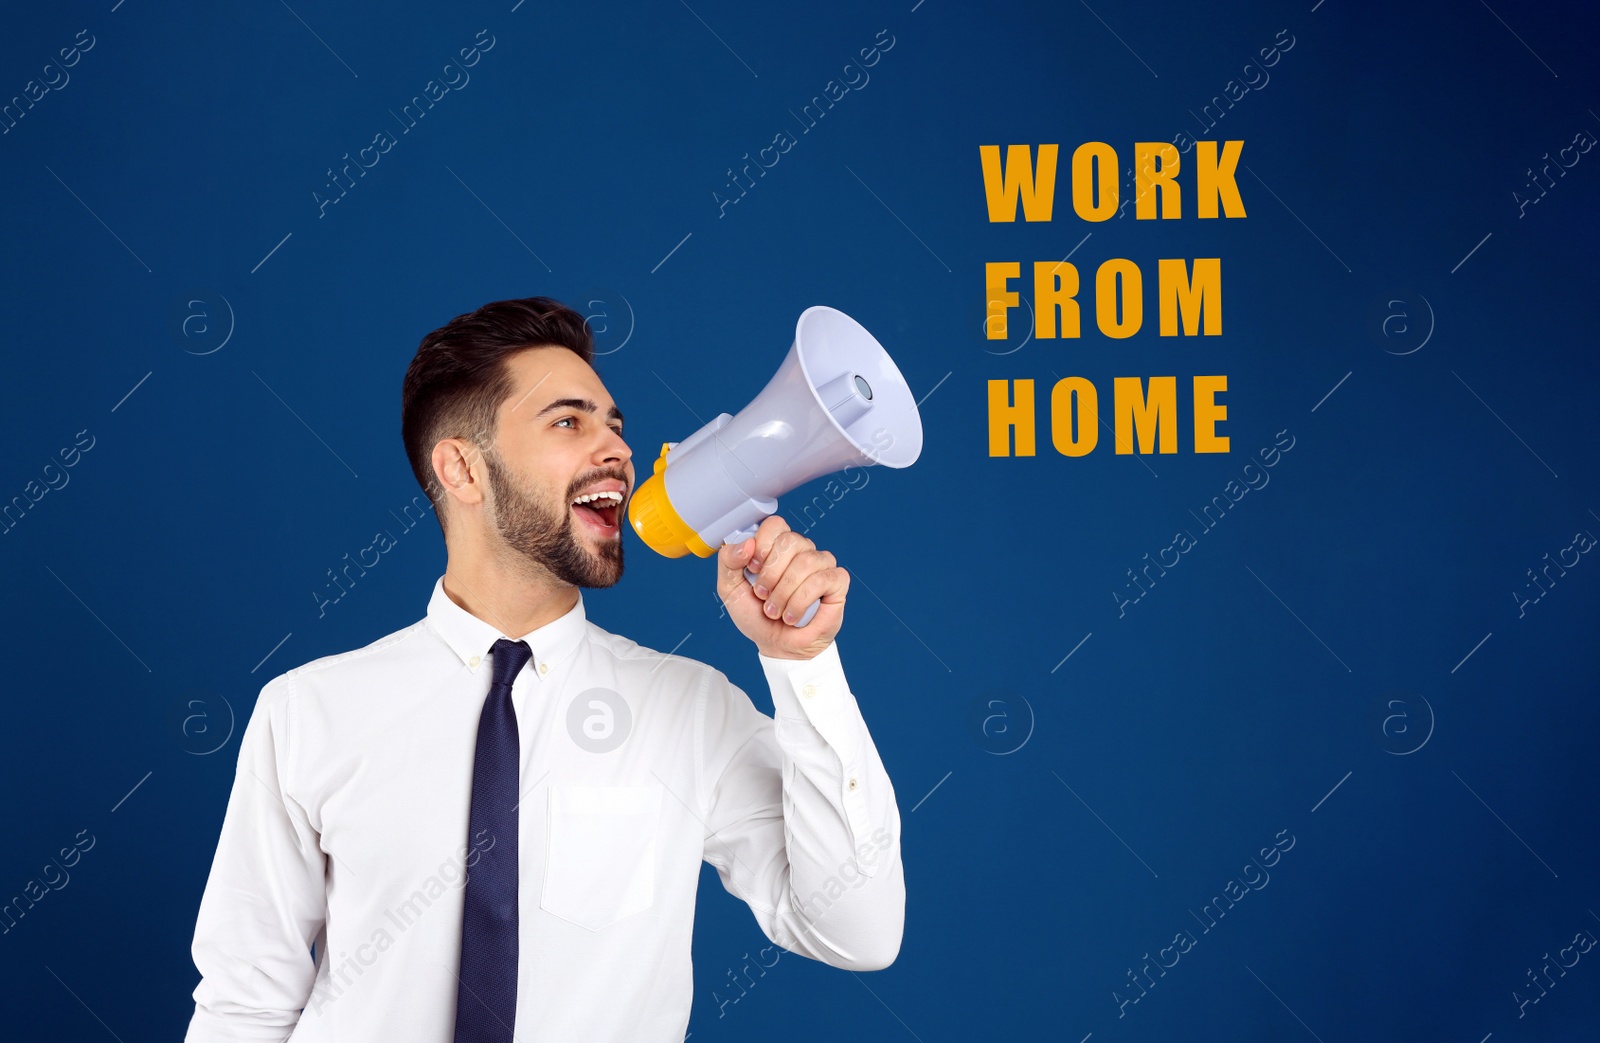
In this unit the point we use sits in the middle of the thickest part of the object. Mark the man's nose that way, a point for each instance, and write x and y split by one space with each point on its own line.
613 449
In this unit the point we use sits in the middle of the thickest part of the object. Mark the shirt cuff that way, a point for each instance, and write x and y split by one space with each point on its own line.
814 689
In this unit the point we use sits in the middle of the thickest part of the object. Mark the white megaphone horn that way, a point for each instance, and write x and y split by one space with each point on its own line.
838 400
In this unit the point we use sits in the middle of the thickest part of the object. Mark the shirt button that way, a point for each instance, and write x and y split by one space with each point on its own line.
852 783
809 690
474 661
544 668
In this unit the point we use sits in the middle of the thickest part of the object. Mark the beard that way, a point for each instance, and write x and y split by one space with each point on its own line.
544 535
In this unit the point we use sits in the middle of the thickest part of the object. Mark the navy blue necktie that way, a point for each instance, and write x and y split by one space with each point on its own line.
486 1002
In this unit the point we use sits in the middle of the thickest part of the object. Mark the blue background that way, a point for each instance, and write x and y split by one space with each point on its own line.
1063 815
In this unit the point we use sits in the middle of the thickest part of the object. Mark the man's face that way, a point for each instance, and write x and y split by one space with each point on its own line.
560 441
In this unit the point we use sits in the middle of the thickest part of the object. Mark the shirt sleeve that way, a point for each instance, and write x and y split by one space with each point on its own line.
265 901
801 820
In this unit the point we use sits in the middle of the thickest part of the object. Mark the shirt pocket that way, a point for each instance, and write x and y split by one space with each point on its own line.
600 853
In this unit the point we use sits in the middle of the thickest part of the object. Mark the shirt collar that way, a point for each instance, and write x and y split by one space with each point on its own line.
470 638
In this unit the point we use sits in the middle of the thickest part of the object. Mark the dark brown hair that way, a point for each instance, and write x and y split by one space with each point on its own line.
458 377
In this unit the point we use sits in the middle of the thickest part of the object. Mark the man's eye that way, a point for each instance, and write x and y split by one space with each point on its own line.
565 419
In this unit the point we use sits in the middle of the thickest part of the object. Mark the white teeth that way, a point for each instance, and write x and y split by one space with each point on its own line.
614 497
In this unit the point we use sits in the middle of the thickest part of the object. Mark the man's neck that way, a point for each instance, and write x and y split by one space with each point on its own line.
506 596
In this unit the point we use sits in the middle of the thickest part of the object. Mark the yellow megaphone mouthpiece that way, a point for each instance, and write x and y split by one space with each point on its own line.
652 516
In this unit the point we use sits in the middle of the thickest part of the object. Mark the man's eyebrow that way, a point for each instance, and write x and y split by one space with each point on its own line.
585 404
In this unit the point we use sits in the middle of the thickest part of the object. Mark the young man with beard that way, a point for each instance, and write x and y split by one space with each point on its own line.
489 825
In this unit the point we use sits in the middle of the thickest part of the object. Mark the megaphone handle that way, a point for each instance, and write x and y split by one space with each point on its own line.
744 534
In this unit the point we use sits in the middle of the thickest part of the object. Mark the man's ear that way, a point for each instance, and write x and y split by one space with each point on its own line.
459 467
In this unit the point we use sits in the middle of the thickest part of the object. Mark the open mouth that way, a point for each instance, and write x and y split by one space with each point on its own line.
601 510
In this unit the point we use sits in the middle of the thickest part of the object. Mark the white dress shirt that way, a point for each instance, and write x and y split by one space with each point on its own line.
347 828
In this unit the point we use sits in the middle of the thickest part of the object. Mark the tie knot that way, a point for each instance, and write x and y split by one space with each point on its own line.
509 659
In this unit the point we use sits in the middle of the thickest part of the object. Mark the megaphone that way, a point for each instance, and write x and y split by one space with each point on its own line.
838 400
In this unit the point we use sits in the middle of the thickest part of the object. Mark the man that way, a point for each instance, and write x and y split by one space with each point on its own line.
491 822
